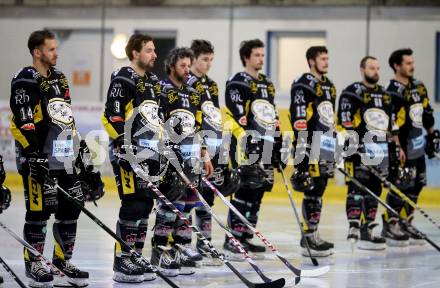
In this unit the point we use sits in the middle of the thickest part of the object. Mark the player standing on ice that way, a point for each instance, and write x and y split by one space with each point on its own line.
413 114
222 178
131 118
180 108
46 143
365 108
312 112
253 120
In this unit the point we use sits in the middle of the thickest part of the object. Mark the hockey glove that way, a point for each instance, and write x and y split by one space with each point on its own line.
92 185
279 159
5 198
125 153
302 181
432 144
2 171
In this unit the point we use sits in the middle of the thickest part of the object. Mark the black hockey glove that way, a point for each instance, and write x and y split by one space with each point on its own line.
2 171
84 158
125 153
38 166
172 152
92 185
302 181
279 159
432 144
5 198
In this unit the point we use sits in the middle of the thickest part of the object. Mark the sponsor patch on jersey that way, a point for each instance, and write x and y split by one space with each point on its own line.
115 119
148 143
300 125
62 148
28 126
376 119
190 151
60 111
149 111
326 113
328 143
264 113
416 114
418 142
213 115
376 150
185 119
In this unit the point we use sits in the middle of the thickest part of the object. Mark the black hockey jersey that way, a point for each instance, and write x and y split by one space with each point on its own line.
132 107
413 113
250 105
42 119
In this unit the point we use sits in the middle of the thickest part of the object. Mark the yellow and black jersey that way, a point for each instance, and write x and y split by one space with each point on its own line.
312 104
368 110
45 107
27 124
364 109
250 104
412 113
180 107
209 102
128 94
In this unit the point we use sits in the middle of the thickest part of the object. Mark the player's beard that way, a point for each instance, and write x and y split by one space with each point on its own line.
319 70
372 80
147 66
46 61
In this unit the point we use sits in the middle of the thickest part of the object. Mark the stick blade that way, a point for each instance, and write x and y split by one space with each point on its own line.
279 283
315 272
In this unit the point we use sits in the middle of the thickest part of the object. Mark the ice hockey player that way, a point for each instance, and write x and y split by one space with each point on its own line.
47 146
131 119
253 120
226 181
365 108
181 113
311 112
414 114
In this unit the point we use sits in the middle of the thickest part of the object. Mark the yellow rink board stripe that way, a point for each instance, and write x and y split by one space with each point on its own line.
335 193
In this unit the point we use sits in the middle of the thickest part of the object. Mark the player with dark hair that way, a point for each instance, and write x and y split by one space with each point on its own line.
414 114
312 112
131 118
181 112
47 148
365 108
253 121
212 127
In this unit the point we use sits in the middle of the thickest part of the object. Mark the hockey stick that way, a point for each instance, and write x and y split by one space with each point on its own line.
313 259
298 272
268 282
12 273
35 252
111 233
361 186
401 194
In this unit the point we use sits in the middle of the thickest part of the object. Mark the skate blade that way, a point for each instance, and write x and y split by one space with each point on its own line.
366 245
257 256
35 284
149 276
208 261
187 271
396 243
123 278
235 257
315 253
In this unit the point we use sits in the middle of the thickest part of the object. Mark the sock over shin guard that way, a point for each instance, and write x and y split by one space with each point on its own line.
64 232
34 232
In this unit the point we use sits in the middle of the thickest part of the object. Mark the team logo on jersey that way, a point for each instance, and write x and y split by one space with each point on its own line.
213 115
60 111
264 113
149 112
326 113
416 115
183 119
376 119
